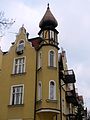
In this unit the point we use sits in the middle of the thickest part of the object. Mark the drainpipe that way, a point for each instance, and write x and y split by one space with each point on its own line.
35 88
60 92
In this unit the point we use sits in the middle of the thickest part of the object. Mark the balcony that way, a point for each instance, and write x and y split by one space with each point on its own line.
71 97
71 116
69 76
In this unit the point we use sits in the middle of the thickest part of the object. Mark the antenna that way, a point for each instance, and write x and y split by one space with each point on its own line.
22 25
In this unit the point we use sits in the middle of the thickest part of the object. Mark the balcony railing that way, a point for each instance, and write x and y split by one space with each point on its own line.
69 76
71 97
71 116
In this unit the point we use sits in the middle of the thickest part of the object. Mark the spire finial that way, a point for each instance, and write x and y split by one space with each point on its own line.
22 25
48 6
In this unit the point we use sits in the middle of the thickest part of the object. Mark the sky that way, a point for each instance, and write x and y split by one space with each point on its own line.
73 18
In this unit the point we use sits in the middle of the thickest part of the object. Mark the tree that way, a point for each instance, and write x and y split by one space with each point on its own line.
5 23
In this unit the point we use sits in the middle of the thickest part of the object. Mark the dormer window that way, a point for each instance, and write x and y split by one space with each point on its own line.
20 47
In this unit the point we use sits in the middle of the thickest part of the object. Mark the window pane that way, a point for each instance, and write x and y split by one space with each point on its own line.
20 46
13 98
52 35
19 66
39 90
15 71
17 98
16 61
17 95
39 59
51 58
52 88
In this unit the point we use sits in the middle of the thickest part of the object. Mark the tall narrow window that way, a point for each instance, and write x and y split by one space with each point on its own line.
46 34
56 38
16 95
51 34
52 90
52 58
19 65
71 86
39 90
39 59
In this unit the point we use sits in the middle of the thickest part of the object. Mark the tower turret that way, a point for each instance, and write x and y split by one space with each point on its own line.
48 32
47 68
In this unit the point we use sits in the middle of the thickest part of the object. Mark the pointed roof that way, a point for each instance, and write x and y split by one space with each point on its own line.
48 19
22 29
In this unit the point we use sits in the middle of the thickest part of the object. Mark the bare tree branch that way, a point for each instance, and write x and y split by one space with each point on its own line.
5 23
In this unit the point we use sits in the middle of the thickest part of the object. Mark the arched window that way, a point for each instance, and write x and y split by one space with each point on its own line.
39 59
52 90
52 58
39 90
21 44
51 34
20 47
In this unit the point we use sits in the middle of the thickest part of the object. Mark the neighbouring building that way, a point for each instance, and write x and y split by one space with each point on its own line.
35 83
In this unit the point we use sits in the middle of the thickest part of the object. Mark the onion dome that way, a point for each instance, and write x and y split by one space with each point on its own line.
48 20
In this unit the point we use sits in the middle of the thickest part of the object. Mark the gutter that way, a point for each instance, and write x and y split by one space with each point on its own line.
60 92
35 89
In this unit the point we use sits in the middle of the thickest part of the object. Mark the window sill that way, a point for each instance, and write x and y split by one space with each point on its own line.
17 105
52 67
14 74
50 100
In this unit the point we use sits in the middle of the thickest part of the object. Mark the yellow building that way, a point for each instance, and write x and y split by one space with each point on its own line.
35 80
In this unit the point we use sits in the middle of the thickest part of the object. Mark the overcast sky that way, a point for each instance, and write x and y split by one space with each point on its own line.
73 18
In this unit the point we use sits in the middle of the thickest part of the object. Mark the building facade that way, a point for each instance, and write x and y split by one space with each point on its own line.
35 81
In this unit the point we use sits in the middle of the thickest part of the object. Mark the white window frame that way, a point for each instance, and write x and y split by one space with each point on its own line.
51 34
39 59
54 94
39 90
54 59
20 43
18 65
11 94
